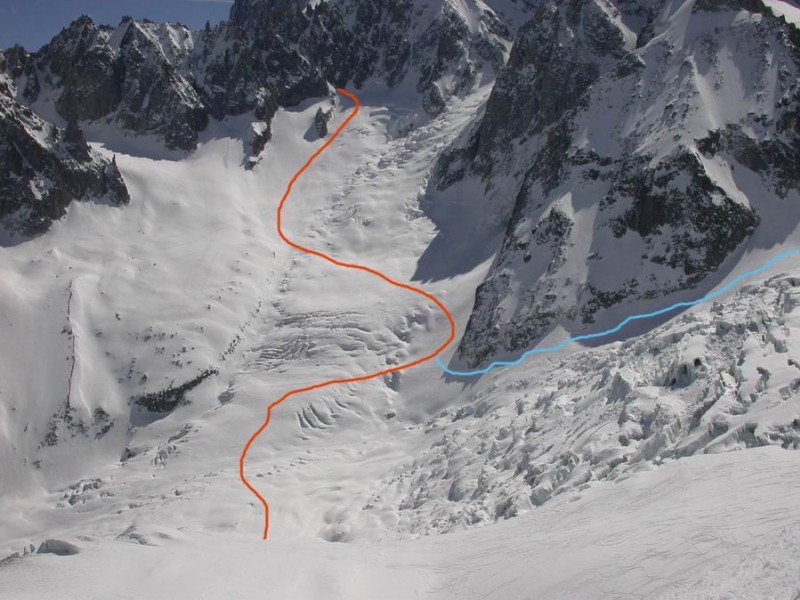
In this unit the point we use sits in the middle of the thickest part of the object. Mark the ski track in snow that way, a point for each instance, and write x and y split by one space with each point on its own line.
338 263
165 522
637 317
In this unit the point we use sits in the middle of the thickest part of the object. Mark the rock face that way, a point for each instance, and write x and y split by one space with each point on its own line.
138 74
163 79
44 168
58 547
321 119
632 133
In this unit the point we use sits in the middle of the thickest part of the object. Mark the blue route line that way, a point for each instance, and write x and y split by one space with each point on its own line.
590 336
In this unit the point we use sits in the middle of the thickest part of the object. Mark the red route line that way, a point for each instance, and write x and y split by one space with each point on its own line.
338 263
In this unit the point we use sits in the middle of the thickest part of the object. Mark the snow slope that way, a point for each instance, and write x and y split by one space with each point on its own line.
709 527
192 278
630 469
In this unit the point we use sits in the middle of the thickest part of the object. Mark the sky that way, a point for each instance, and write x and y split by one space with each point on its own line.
32 23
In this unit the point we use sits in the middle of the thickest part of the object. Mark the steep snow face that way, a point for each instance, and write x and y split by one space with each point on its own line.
661 149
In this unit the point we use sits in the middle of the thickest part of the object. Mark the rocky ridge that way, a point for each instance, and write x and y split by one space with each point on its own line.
44 168
632 131
164 79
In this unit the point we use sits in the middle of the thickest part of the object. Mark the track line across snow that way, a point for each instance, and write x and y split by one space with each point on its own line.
345 265
590 336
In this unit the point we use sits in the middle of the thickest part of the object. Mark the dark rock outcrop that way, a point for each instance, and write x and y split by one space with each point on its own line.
555 59
58 547
139 73
44 168
679 196
321 119
167 400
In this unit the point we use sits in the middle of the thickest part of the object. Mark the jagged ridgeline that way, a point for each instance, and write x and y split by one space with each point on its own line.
645 144
166 80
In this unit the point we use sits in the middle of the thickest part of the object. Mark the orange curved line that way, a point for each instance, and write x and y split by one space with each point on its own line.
338 263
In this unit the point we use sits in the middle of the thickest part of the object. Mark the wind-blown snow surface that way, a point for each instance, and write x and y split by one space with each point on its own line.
712 528
191 279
